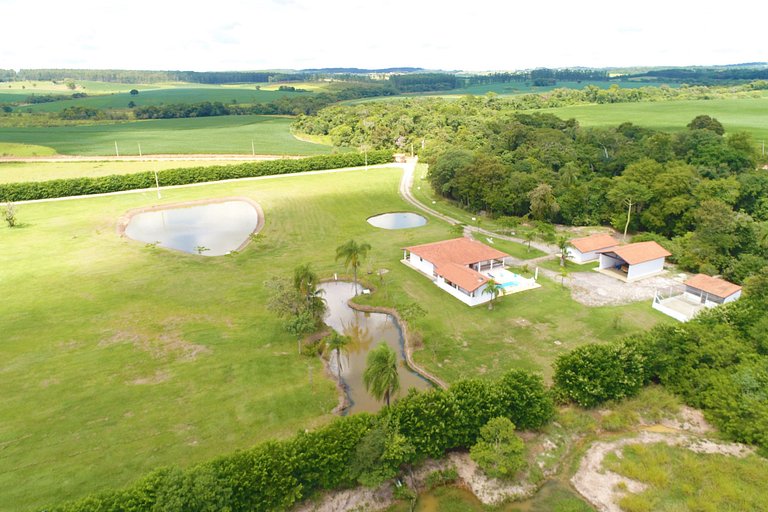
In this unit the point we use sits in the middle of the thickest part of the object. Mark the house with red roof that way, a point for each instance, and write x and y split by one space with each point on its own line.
585 249
633 261
463 267
699 292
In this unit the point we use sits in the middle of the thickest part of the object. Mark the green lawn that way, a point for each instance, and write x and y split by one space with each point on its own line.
744 114
118 358
41 171
225 134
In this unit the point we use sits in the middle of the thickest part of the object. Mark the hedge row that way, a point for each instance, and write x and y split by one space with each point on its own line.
276 475
27 191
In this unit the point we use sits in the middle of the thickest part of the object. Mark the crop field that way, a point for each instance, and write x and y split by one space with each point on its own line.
745 114
225 134
119 357
14 149
120 100
41 171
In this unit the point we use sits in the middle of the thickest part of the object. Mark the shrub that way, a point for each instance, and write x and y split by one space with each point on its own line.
525 400
499 452
592 374
26 191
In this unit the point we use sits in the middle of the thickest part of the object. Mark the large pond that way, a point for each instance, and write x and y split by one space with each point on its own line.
397 220
367 330
211 229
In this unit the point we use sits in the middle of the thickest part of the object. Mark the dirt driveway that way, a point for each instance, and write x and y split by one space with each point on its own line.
595 289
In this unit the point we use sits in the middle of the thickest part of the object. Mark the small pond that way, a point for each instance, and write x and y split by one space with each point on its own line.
211 229
397 220
367 330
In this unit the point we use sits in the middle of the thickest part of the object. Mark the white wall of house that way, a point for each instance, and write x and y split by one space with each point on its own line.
421 264
733 297
480 296
608 262
647 268
577 256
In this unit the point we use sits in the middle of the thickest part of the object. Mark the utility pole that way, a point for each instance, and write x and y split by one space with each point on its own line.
117 151
139 143
253 148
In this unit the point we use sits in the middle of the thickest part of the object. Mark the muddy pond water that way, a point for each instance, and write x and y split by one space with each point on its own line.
211 229
367 330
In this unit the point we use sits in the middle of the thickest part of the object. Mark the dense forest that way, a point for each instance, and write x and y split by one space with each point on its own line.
698 192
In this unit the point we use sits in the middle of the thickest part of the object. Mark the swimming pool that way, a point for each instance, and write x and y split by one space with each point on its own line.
505 278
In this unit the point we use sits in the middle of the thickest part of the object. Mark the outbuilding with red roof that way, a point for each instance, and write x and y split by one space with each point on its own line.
585 249
633 261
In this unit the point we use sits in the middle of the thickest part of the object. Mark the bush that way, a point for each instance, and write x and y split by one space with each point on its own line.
592 374
499 452
27 191
441 477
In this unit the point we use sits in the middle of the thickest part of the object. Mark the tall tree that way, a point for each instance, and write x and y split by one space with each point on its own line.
380 377
353 254
543 203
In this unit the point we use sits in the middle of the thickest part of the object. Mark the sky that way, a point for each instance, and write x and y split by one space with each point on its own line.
297 34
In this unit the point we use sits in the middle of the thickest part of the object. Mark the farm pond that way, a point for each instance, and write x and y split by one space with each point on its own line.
211 229
367 330
397 220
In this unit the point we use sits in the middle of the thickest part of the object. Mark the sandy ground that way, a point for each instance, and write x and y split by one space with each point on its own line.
601 487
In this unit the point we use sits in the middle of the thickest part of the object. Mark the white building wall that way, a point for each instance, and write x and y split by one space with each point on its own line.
608 262
733 297
463 297
421 264
640 270
577 256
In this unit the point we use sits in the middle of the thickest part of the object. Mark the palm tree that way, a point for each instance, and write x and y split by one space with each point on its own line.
305 284
354 254
528 236
380 377
563 244
335 342
494 289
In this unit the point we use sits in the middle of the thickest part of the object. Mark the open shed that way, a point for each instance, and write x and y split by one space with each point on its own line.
633 261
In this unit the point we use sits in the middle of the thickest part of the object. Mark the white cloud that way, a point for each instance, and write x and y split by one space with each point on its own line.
258 34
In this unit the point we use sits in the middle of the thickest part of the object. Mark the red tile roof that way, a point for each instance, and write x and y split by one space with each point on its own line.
462 276
713 285
594 242
452 257
639 252
463 251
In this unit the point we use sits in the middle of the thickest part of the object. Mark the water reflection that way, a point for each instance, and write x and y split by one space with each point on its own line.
210 229
367 330
397 220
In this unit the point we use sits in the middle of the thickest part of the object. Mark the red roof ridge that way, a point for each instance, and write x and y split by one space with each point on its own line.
594 242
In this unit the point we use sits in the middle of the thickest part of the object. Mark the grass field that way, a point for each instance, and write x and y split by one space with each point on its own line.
41 171
118 358
15 149
226 134
679 479
167 96
745 114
